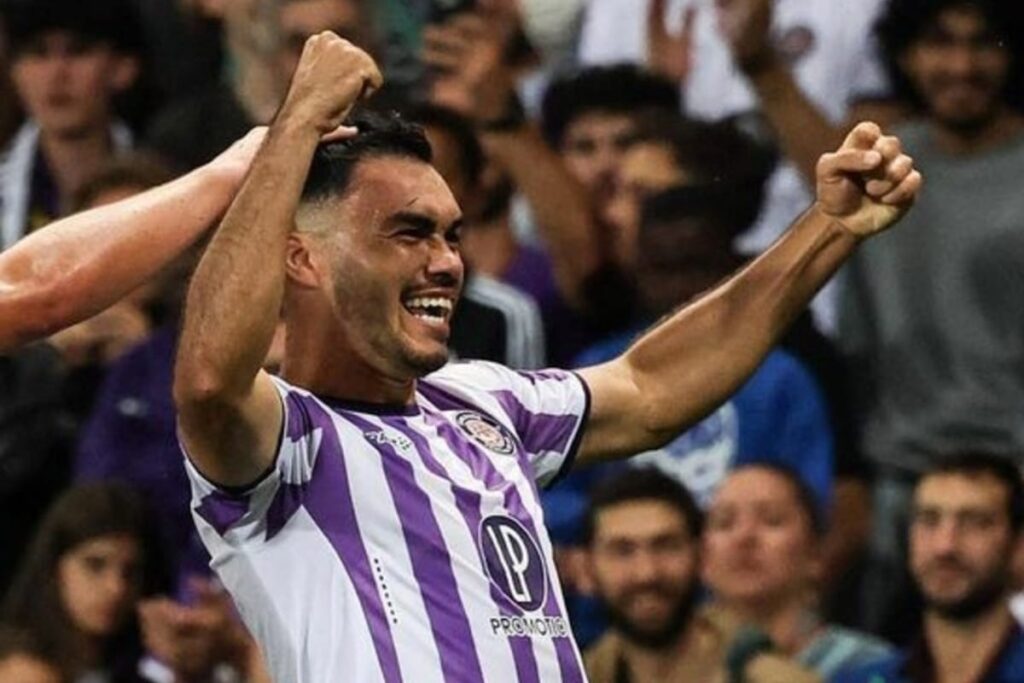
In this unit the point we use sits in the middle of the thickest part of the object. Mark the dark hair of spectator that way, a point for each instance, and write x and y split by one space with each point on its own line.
803 494
34 604
471 154
1003 468
14 643
380 135
136 171
641 484
618 89
904 22
114 22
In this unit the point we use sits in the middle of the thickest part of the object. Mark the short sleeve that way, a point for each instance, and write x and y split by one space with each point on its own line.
239 514
546 409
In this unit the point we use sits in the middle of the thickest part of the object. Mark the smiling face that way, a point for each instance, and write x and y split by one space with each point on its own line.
389 249
959 66
643 561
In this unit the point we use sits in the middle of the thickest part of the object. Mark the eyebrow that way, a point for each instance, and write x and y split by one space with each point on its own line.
422 221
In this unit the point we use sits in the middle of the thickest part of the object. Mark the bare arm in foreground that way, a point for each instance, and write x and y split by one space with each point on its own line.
80 265
695 359
228 409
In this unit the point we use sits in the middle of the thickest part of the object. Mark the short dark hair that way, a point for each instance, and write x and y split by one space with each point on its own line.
380 135
904 21
471 154
1001 467
616 89
727 169
135 169
644 483
812 507
115 22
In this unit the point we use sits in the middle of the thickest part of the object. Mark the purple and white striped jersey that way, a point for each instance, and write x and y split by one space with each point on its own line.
406 544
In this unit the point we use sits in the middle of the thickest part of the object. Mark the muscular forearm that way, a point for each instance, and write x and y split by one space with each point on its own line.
82 264
558 203
700 356
235 297
803 130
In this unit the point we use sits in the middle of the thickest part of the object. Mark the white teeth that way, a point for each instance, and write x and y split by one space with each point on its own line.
433 309
430 302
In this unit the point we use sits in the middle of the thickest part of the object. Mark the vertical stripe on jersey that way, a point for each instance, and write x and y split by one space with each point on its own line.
565 649
470 506
328 500
431 564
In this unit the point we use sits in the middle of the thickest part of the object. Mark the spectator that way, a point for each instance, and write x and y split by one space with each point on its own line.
92 559
965 529
762 562
263 41
69 61
590 118
932 319
22 660
642 561
779 414
795 70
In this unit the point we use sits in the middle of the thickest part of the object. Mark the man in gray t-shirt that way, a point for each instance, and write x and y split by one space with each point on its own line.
932 313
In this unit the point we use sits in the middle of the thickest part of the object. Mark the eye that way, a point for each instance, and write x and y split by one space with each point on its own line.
454 236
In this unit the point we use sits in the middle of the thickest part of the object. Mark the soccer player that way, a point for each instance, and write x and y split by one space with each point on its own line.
80 265
375 512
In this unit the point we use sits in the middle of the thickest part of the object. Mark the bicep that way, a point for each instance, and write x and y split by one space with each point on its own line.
233 443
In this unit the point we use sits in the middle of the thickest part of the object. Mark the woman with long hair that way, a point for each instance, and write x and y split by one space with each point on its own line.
92 559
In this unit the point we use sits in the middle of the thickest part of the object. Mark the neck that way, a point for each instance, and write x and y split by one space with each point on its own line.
1003 126
962 649
490 247
72 159
324 363
653 664
791 624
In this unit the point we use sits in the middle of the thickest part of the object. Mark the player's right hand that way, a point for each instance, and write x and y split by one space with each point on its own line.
333 74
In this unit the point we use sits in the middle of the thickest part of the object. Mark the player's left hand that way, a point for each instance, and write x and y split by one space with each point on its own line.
868 183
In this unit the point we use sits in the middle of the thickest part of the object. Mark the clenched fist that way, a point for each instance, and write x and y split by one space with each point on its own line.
333 74
868 183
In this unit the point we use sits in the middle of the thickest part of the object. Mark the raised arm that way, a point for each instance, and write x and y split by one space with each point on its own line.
229 411
82 264
695 359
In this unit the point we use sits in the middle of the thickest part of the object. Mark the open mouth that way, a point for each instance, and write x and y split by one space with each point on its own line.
434 310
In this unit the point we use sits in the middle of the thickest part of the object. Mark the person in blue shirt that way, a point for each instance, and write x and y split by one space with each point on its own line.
966 524
778 416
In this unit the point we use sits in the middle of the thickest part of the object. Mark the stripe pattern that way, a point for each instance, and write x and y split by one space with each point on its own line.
406 545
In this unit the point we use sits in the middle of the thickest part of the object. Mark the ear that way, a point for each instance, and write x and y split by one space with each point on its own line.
124 72
300 261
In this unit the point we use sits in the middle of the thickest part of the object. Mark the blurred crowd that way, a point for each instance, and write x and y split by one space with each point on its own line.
853 513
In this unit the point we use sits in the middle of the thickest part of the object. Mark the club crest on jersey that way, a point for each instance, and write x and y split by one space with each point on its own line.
487 432
513 561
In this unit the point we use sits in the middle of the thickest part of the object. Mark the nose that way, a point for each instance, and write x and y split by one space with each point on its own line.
445 263
944 536
962 59
644 567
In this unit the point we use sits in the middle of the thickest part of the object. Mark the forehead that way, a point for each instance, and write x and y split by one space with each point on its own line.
310 16
754 486
960 491
637 519
600 124
383 186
